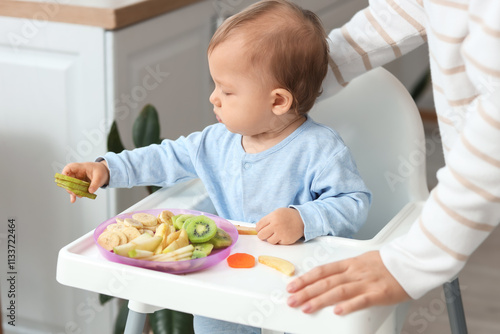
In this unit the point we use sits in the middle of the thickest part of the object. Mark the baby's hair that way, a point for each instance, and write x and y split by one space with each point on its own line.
287 42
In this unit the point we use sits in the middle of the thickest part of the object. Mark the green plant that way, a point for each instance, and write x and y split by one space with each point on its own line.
146 131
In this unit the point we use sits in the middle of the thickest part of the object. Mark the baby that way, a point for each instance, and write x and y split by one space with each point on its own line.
266 162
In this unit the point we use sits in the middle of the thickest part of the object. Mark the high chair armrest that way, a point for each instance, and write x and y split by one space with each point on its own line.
397 226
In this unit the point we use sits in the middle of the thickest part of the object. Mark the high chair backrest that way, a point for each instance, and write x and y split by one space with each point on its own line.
380 123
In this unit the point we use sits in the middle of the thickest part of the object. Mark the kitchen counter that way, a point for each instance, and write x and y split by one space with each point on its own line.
107 14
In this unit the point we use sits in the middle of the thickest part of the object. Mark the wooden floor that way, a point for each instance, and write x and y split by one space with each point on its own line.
479 281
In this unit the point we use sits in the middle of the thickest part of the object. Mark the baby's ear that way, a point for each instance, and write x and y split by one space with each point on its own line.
282 101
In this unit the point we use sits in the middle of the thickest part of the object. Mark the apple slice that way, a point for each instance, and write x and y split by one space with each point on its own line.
277 263
139 254
143 242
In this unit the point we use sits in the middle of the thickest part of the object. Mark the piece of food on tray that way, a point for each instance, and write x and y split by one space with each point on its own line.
181 241
279 264
221 239
200 229
180 219
202 250
246 230
76 186
108 240
139 253
204 247
130 232
146 219
241 260
165 217
180 254
163 231
155 238
144 242
198 254
132 223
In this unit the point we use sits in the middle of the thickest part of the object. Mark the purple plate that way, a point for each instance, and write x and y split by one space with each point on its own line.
179 267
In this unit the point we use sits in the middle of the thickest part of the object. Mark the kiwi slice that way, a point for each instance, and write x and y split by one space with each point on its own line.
199 228
221 239
205 247
180 219
197 254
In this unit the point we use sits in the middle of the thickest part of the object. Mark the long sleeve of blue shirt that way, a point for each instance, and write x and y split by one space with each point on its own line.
311 170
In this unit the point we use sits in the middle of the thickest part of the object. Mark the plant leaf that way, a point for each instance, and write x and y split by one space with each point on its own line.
103 299
146 129
152 189
171 322
121 319
114 141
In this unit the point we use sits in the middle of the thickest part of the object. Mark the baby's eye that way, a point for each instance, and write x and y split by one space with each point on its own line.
226 93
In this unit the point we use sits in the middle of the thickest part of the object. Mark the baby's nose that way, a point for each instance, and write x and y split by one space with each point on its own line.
214 99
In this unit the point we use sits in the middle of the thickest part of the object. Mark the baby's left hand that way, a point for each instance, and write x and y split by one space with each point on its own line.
283 226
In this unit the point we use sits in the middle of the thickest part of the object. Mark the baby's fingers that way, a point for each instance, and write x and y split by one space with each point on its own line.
72 196
76 170
96 182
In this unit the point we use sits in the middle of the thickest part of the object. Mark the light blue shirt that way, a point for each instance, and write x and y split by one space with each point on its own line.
311 170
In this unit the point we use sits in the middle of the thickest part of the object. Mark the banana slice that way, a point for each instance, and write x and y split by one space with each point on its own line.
132 223
150 228
121 235
108 240
120 221
115 227
145 218
165 217
131 232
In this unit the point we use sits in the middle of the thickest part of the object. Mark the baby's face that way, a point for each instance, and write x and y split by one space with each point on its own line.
242 100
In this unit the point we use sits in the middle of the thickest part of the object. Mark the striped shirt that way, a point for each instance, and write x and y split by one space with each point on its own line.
463 37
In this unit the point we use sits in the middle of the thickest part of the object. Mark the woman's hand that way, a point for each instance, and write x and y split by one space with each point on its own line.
352 284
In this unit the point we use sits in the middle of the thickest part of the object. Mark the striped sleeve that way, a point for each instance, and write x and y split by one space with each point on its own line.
464 207
385 30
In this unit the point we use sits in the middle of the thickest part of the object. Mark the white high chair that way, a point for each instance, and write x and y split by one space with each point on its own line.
380 123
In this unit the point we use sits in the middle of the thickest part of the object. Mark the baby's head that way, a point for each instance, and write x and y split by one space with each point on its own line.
284 44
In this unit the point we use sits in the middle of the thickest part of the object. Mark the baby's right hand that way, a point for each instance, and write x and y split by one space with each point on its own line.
97 173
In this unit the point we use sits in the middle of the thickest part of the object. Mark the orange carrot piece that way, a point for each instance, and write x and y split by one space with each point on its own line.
241 260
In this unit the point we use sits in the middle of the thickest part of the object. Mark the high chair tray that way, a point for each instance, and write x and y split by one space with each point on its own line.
255 296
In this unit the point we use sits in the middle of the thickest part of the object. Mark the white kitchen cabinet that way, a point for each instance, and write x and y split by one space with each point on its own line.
52 111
